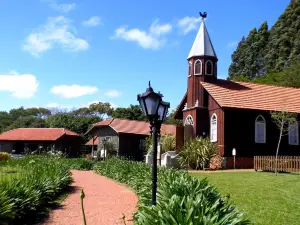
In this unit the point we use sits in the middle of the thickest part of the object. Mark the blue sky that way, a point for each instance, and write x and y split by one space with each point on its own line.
62 53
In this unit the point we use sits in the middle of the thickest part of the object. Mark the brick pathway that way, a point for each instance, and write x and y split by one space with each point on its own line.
104 202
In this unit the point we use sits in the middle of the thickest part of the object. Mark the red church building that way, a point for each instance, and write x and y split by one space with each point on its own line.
234 114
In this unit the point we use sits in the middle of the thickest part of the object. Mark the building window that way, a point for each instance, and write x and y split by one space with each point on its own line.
213 128
190 69
198 67
189 120
293 133
108 138
209 67
260 129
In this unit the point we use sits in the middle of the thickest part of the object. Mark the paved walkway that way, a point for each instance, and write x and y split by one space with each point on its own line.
104 202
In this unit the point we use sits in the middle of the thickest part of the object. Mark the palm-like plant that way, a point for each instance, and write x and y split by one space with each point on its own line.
197 152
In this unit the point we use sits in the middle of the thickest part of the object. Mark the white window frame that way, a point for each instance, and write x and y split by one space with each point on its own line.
212 67
257 123
295 124
190 70
214 138
198 60
189 120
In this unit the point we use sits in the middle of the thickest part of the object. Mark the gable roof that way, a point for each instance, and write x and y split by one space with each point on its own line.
202 45
90 142
133 126
35 134
254 96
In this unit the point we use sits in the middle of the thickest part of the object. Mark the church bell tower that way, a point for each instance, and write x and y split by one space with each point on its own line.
202 67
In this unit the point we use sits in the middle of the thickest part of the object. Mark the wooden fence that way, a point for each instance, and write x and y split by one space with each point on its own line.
284 163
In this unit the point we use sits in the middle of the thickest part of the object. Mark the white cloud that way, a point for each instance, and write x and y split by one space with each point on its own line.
57 31
113 93
73 91
20 86
63 8
188 24
232 44
151 39
52 105
92 22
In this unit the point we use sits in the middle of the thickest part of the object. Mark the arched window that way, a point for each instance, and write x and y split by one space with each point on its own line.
189 120
198 67
293 133
190 69
260 129
209 67
214 128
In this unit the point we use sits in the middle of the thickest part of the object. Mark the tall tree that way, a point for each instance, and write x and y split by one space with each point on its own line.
133 112
282 119
269 51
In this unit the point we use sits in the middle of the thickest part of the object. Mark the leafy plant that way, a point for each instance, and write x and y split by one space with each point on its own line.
181 199
25 196
4 156
197 152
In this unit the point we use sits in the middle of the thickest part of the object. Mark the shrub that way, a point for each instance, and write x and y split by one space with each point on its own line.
31 193
4 156
197 152
181 199
168 143
79 164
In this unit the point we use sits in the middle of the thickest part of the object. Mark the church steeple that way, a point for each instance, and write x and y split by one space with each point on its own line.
202 66
202 45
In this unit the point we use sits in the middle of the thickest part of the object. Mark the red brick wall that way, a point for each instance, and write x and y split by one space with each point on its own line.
240 162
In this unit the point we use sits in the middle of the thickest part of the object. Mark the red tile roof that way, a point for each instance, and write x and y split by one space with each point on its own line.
90 142
134 126
254 96
35 134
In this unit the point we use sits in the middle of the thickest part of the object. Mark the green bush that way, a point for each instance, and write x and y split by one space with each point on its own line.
4 156
181 199
39 184
79 163
197 152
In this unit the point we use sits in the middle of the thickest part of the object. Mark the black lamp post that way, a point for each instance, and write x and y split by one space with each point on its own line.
104 155
156 110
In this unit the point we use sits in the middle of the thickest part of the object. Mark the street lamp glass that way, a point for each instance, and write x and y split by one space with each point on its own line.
163 110
149 102
152 102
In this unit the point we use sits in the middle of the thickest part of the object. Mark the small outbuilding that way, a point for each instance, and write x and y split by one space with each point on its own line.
24 140
127 137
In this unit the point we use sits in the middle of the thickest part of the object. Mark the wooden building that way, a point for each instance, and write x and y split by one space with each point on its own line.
234 114
127 136
23 140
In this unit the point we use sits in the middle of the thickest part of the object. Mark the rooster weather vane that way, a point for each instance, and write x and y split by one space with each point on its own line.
203 15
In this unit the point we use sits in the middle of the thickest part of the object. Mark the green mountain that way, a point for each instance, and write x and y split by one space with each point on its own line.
265 54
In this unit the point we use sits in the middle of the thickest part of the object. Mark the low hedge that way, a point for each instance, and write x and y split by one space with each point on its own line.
30 193
181 199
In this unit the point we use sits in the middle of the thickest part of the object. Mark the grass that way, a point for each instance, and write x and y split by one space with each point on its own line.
265 198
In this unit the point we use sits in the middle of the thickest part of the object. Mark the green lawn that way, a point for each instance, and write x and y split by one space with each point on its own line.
265 198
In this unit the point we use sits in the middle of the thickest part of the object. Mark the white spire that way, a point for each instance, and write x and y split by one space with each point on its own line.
202 45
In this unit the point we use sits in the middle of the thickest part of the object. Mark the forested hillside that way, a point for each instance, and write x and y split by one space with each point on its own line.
265 54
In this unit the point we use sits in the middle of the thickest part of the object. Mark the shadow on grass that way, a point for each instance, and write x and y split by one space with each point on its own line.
41 217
